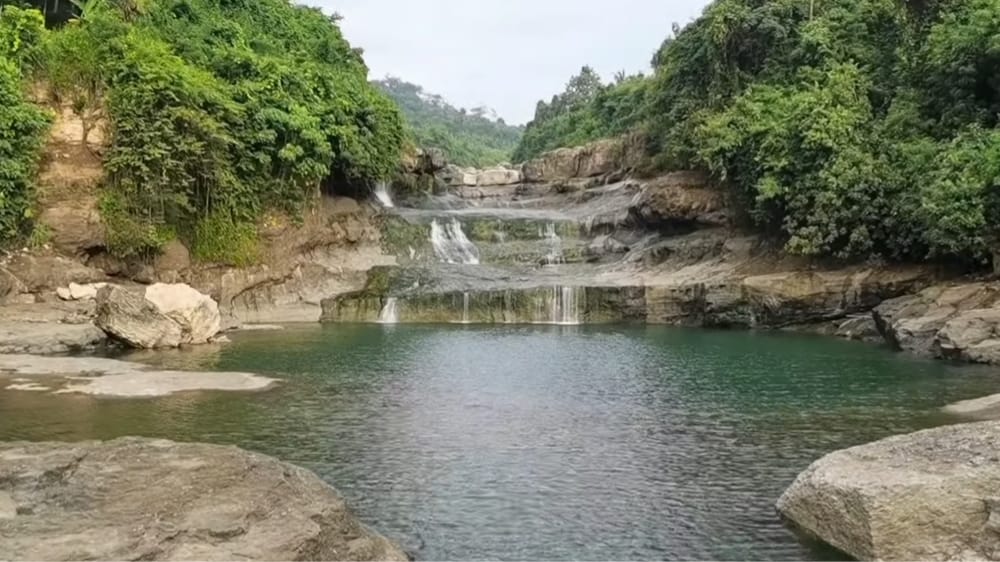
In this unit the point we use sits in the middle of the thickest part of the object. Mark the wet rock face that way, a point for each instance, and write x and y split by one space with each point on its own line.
930 495
142 499
954 321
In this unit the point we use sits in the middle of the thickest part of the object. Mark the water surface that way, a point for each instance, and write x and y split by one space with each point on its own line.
542 442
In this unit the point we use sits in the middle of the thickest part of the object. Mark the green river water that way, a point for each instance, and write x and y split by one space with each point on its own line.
542 442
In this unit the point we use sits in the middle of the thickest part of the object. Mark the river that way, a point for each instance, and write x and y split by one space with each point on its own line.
542 442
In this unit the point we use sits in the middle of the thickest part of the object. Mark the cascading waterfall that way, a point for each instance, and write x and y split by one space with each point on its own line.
564 307
390 312
465 308
555 255
383 195
452 245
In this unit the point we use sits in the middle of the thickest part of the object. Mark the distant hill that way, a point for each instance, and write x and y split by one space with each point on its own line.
474 137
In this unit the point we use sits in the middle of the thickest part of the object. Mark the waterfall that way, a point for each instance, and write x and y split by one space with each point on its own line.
564 306
390 312
555 255
383 195
451 245
465 308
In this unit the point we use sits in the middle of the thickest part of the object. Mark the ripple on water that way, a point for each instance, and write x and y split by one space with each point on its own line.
538 442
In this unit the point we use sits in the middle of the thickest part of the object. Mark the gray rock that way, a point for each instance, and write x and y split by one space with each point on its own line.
42 338
129 317
860 328
929 495
197 313
143 499
497 176
160 316
39 274
971 336
954 321
455 176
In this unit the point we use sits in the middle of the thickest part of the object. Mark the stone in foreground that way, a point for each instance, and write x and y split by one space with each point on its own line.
143 499
931 495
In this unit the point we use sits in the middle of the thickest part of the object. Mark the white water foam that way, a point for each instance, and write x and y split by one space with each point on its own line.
452 245
390 312
383 196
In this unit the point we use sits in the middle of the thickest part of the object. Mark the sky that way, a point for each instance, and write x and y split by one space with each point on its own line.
506 54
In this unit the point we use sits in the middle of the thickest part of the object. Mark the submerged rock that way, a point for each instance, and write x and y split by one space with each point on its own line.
144 499
930 495
97 376
161 316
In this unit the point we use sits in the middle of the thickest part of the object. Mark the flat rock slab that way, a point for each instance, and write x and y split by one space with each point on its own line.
109 377
143 499
985 408
930 495
48 337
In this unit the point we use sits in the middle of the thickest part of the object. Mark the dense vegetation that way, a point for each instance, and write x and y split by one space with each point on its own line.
468 137
216 109
587 110
848 128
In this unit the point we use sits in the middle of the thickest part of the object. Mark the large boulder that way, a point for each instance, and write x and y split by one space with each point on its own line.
598 158
160 316
498 176
144 499
558 164
954 321
196 313
930 495
454 176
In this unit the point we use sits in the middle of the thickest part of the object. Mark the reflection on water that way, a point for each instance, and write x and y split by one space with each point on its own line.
542 442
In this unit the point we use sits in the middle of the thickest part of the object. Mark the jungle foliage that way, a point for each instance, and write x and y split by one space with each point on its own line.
847 128
468 137
217 110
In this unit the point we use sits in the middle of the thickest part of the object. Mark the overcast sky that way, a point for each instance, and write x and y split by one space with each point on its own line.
506 54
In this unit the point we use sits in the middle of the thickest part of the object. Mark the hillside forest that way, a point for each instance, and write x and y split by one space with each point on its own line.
848 129
844 129
469 137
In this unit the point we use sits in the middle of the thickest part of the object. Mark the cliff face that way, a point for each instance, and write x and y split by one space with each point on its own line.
302 261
